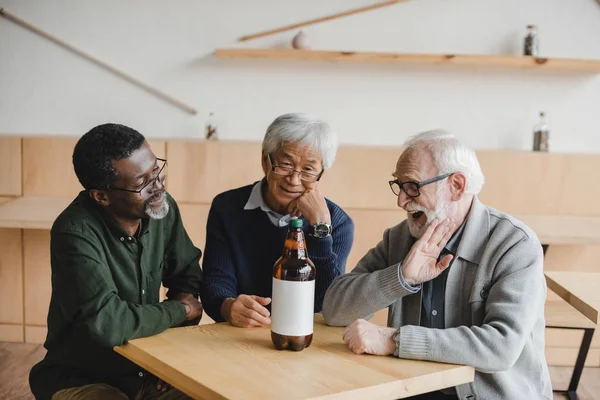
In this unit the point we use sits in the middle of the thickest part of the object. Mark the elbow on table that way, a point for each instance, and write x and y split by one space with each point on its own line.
107 337
334 317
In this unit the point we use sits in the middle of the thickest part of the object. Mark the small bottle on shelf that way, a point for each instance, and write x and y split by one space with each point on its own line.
211 127
531 46
541 134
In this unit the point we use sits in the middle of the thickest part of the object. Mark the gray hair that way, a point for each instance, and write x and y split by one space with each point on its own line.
450 155
304 130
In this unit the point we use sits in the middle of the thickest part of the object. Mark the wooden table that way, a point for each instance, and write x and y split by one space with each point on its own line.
582 291
219 361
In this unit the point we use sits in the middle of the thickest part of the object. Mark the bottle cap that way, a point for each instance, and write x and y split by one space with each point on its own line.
296 222
532 26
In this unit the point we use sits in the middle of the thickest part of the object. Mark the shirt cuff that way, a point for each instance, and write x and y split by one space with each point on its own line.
413 289
397 340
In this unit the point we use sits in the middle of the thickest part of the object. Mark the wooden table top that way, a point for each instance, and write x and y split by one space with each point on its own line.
580 289
219 361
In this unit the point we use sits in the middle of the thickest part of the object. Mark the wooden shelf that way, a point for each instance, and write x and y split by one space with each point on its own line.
32 212
489 61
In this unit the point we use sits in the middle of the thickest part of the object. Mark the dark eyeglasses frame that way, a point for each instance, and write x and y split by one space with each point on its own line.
292 171
418 185
150 182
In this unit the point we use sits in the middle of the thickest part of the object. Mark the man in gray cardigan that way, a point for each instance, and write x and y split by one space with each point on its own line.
463 282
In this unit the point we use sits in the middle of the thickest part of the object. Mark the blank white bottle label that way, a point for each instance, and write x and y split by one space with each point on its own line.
292 308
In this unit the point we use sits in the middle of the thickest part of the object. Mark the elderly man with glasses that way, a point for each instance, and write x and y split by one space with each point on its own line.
110 250
463 282
246 227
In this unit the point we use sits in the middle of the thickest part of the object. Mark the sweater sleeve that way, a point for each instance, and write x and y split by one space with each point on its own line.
219 278
372 285
331 253
514 304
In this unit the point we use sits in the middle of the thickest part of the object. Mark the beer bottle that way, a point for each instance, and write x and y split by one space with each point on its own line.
293 297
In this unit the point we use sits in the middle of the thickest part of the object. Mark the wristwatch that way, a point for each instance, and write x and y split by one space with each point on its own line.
321 230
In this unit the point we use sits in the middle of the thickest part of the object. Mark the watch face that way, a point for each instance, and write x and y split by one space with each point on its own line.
322 230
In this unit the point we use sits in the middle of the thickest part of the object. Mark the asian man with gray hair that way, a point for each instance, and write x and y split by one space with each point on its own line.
246 227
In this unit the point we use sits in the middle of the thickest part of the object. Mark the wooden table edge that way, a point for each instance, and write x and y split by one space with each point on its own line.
461 374
168 374
571 298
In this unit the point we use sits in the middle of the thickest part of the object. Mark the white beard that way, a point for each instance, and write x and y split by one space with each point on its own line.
161 212
441 212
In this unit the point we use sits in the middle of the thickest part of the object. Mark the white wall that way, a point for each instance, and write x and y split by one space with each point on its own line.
47 90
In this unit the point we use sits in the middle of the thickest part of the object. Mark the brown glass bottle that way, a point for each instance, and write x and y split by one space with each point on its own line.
292 304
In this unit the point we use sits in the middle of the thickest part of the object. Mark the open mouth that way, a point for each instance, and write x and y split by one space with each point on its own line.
416 215
157 198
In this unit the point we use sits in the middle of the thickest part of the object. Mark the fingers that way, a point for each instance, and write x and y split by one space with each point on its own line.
247 312
440 231
252 304
262 300
252 318
444 263
429 231
294 208
352 338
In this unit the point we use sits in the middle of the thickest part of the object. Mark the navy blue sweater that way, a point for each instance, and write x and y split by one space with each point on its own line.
243 245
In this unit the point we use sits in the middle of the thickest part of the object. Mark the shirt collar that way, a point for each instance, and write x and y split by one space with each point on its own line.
115 228
256 200
454 241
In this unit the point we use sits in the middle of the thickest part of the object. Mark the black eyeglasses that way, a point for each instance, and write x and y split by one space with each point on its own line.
160 175
411 188
287 171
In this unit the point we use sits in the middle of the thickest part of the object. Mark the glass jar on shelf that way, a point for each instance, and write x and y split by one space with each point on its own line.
532 43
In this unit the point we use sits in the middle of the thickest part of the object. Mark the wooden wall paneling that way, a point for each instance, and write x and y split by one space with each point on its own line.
369 226
35 334
38 287
583 258
565 357
159 148
10 165
5 199
11 277
48 167
11 333
199 170
539 183
194 218
359 177
567 338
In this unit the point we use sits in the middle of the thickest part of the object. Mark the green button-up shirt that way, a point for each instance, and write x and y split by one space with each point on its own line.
105 291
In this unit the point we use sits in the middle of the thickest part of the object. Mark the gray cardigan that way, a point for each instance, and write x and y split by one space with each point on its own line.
494 305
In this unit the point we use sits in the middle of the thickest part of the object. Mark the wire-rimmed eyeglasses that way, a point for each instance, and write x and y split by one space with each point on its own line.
160 175
287 171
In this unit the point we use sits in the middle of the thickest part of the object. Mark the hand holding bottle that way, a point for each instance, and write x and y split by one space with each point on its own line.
246 311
